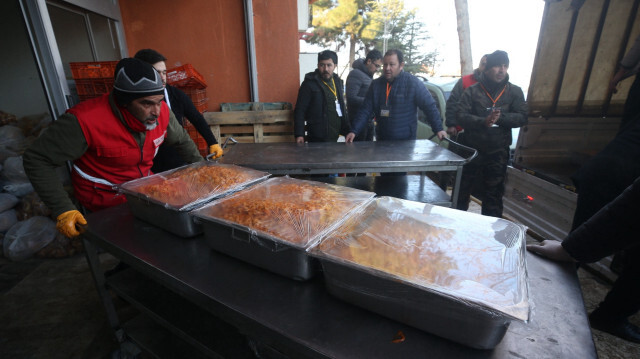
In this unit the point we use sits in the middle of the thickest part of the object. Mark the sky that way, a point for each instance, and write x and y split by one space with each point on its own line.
509 25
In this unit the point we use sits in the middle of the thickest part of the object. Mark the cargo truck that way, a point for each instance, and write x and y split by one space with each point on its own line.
572 112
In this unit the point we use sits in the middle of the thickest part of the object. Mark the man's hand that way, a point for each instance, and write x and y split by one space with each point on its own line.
300 139
551 249
452 131
216 151
492 118
349 137
441 135
71 223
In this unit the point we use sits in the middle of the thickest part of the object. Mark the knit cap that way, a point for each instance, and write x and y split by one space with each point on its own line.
133 79
497 58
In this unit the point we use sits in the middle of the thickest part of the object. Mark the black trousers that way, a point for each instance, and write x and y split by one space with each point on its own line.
485 175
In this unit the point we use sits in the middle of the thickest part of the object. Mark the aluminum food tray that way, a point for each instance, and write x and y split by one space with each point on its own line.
176 218
459 318
266 250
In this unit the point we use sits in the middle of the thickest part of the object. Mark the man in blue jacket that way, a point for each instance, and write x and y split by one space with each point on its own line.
394 99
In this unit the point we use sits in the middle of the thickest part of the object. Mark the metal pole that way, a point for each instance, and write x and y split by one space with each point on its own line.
251 49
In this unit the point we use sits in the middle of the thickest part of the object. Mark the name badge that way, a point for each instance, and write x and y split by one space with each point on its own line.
384 113
338 110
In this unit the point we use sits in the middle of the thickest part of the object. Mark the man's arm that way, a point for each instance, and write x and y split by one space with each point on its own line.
452 104
63 141
366 112
517 116
427 104
302 104
178 137
195 117
465 116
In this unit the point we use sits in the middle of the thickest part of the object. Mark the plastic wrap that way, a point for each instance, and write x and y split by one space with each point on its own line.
459 275
287 210
272 224
189 186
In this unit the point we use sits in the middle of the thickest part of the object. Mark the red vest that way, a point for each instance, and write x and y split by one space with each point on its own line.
113 155
468 80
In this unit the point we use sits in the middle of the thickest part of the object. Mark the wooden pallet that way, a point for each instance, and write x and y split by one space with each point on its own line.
252 126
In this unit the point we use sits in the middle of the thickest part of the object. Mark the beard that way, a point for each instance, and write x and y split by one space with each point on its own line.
151 127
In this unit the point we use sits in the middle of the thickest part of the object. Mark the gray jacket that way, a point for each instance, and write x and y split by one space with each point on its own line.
358 83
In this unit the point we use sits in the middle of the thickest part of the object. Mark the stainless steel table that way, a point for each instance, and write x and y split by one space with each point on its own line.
338 157
183 286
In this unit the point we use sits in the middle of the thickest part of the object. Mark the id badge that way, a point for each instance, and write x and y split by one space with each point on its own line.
384 111
338 110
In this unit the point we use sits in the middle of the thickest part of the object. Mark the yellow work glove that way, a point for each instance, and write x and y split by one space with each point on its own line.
215 150
71 223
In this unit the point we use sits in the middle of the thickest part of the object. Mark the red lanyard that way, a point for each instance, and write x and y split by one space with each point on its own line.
491 98
386 102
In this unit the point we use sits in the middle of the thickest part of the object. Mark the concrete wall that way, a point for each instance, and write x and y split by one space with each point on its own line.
210 35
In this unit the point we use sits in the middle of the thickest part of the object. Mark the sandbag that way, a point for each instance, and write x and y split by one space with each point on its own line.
18 189
5 153
7 201
28 237
12 138
13 170
7 220
30 206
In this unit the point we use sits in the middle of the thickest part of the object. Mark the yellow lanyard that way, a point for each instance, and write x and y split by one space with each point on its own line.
333 90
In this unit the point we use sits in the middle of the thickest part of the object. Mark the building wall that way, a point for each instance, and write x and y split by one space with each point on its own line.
210 35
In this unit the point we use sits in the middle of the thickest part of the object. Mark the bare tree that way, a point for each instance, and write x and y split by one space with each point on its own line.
464 37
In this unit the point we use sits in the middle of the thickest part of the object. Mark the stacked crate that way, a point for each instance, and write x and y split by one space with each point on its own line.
191 82
93 79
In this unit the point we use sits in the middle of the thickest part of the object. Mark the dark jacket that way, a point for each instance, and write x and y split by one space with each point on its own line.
472 112
358 83
182 107
406 95
311 108
615 227
454 98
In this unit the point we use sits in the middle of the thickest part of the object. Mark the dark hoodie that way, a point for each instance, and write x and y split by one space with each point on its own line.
358 83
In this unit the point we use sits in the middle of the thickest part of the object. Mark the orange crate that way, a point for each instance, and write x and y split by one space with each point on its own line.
185 76
94 87
201 106
93 70
196 95
200 142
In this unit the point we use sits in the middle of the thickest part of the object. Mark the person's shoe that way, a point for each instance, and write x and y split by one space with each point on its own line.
619 328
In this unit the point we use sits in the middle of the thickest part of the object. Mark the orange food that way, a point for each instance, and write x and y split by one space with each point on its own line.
189 184
294 212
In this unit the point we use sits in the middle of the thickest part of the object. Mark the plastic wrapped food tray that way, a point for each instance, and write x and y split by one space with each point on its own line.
271 224
164 199
459 275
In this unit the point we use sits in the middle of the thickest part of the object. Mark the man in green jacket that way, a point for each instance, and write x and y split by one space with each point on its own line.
110 140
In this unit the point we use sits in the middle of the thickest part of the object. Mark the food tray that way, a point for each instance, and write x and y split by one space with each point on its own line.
164 199
459 275
273 223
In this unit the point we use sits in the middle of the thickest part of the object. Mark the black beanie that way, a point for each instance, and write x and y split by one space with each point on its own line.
497 58
133 79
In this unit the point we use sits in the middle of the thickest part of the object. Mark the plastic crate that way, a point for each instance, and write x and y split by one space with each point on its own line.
185 76
93 70
196 95
201 106
94 87
200 142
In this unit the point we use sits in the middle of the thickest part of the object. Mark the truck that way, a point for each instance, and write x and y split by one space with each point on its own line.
572 112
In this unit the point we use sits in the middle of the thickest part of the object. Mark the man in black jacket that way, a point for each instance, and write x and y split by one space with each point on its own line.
181 105
358 83
320 103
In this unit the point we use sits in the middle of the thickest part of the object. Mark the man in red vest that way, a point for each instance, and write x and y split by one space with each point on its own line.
452 102
110 140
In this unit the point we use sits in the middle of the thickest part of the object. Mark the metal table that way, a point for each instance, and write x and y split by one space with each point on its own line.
298 319
357 157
